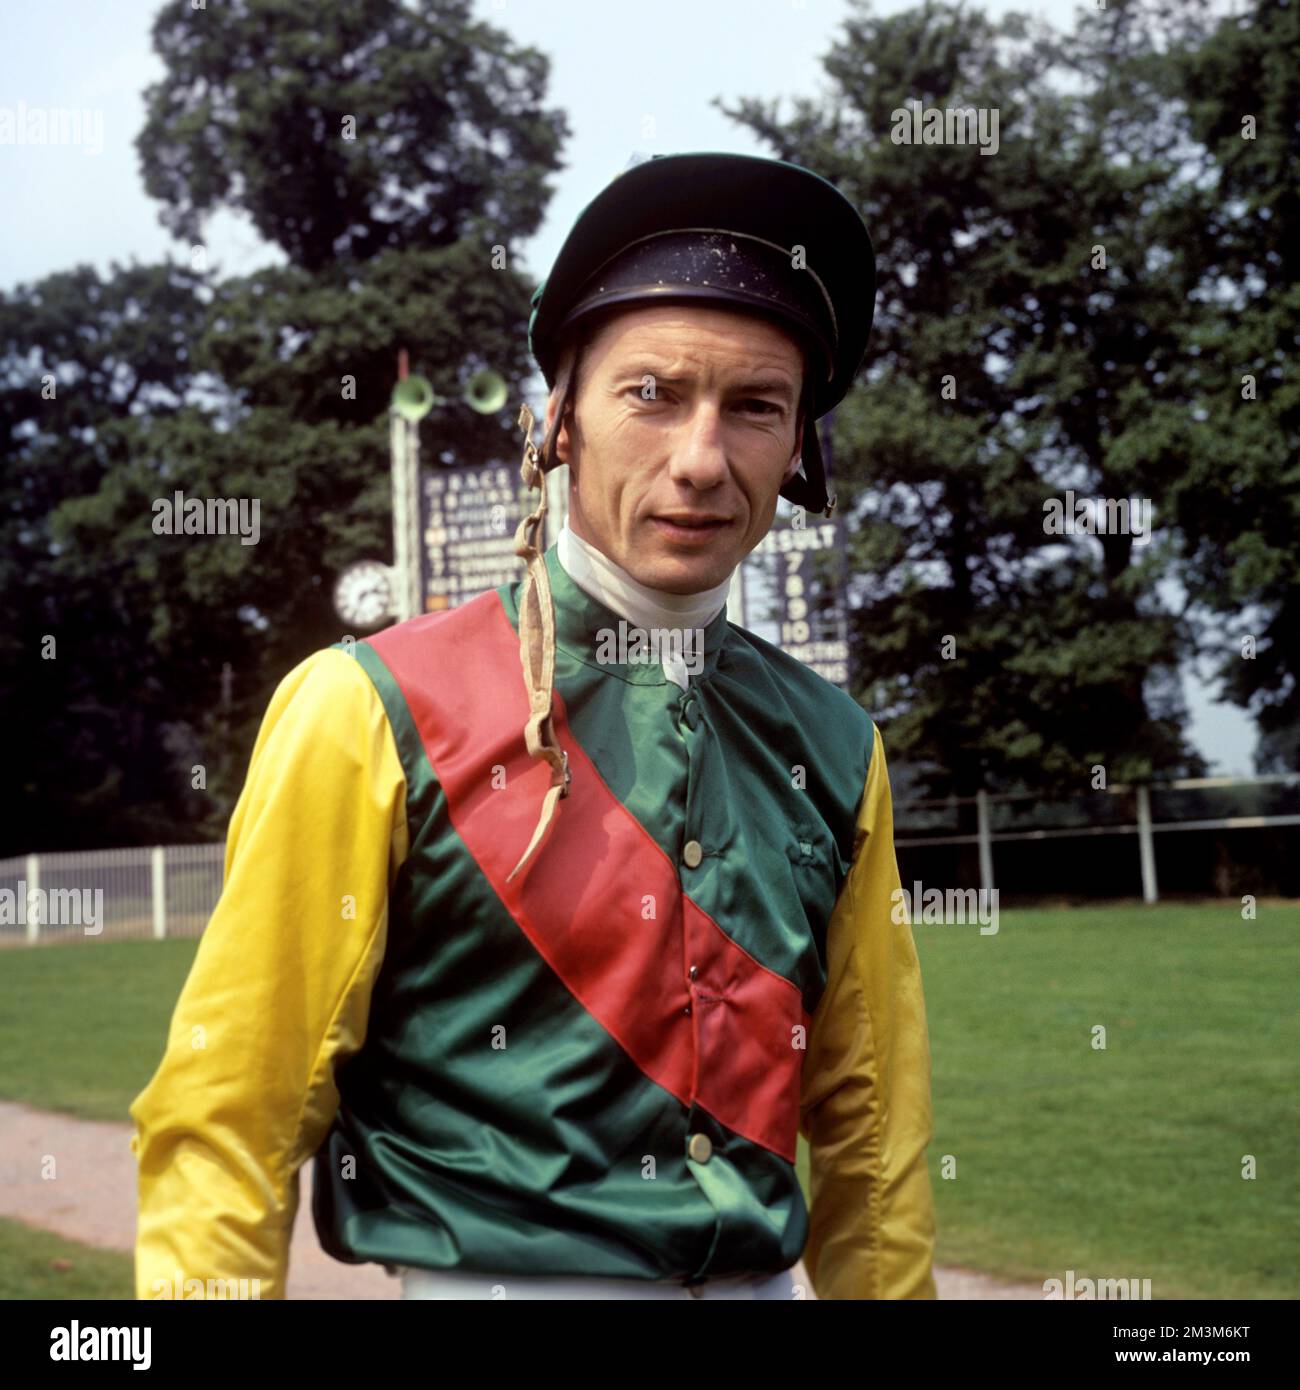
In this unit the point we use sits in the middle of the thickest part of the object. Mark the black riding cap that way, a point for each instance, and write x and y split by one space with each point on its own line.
749 233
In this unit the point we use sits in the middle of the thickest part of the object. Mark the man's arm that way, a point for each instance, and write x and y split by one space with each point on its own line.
279 991
865 1102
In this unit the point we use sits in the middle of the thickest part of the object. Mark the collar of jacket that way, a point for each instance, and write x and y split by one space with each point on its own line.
582 622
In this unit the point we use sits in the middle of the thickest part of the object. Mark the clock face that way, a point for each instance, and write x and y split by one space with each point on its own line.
363 595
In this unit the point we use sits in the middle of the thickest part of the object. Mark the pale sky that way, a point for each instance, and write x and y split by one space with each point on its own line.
633 79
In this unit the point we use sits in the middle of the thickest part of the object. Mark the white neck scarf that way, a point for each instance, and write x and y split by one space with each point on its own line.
609 583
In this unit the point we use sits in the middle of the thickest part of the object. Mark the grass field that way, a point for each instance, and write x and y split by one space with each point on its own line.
85 1022
1125 1162
36 1264
1117 1163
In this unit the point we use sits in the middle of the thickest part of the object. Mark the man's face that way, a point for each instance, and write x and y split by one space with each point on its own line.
711 435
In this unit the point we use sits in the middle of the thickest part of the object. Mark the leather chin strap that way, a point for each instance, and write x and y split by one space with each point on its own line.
801 490
537 620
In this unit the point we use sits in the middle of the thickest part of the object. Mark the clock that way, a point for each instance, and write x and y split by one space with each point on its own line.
363 595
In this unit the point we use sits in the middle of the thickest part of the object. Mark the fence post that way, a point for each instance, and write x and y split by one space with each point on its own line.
33 882
1146 847
159 893
985 838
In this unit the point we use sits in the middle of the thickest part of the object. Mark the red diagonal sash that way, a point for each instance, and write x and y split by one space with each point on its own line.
582 899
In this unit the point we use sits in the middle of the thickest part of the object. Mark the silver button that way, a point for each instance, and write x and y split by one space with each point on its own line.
692 854
700 1147
694 971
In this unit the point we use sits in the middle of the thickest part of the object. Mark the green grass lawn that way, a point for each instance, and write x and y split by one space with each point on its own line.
85 1022
1122 1163
36 1264
1125 1162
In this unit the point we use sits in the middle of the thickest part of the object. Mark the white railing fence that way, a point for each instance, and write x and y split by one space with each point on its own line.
99 894
1149 813
171 890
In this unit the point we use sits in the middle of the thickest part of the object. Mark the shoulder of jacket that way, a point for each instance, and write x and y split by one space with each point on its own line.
328 670
809 694
329 688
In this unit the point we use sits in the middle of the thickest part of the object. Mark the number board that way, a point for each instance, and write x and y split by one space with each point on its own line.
810 623
468 519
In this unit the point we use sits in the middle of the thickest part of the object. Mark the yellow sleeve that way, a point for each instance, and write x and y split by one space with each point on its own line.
865 1099
279 992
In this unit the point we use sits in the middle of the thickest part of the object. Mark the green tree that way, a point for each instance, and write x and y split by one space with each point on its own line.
349 128
1027 320
396 154
1237 493
86 366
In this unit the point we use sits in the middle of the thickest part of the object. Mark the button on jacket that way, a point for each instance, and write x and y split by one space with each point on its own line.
597 1068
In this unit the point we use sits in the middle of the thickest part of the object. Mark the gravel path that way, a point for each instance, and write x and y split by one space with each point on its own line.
93 1200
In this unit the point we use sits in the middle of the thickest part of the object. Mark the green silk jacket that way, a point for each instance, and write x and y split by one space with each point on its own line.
600 1067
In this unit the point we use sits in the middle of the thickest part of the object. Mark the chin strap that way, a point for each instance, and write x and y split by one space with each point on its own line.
537 625
808 486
